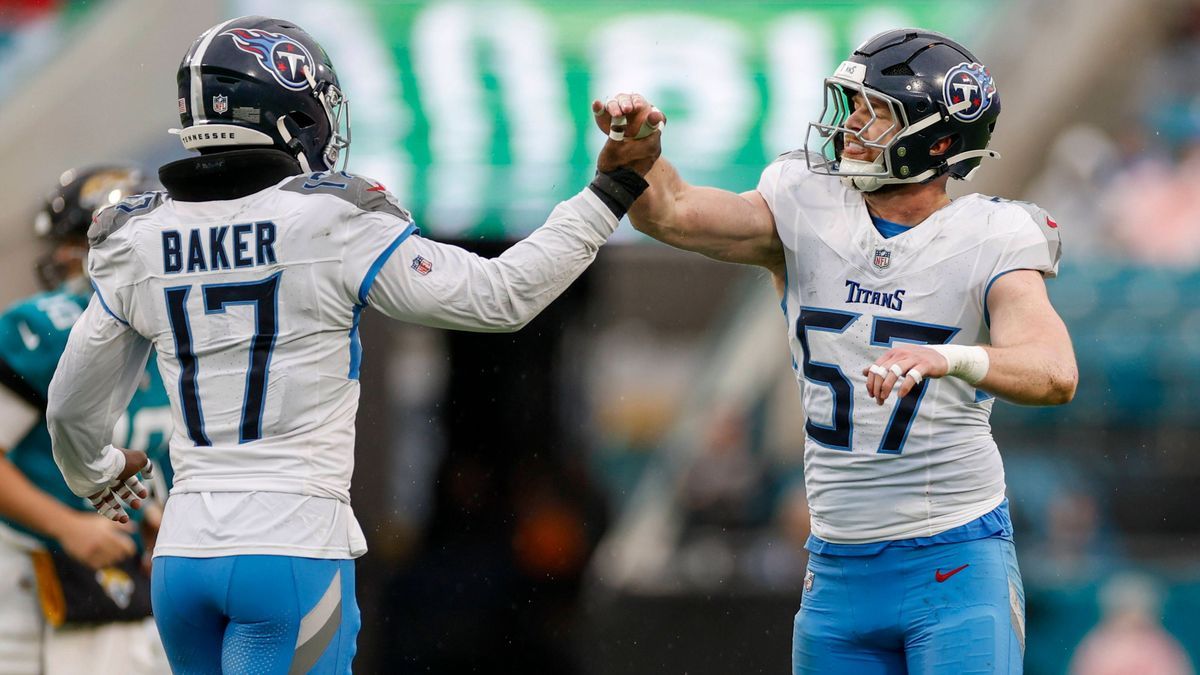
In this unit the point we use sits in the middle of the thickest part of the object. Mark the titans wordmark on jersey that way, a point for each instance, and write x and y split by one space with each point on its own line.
926 463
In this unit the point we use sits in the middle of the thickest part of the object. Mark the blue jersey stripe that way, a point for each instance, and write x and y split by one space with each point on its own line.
104 304
355 344
364 289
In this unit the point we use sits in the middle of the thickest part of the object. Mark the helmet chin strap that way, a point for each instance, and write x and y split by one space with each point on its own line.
286 135
862 176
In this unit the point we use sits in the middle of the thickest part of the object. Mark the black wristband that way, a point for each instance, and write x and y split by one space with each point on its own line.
618 189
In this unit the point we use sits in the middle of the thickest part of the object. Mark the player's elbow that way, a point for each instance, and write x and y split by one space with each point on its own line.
515 318
1062 386
512 324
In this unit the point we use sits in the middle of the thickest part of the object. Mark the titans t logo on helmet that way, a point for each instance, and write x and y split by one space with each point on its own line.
278 54
971 82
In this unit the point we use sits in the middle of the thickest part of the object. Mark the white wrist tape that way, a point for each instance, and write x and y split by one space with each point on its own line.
969 364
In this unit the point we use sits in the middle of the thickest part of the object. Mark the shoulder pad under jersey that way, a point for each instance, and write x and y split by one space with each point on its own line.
363 193
800 155
1047 225
114 217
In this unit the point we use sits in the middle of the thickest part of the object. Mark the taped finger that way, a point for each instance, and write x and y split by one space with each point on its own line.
615 133
106 504
648 128
897 370
877 369
136 486
915 375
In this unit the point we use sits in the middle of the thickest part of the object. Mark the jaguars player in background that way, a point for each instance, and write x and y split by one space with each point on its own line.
907 312
249 275
40 519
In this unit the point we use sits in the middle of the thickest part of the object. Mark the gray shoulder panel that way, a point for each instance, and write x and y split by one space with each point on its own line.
1045 224
799 154
363 193
113 218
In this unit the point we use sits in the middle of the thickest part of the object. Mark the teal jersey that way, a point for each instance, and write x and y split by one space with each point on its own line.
33 335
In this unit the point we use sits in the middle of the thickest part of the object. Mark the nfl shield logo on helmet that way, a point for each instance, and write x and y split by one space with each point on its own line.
220 104
969 82
883 258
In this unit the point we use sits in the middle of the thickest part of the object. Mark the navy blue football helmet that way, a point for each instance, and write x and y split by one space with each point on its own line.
255 81
933 89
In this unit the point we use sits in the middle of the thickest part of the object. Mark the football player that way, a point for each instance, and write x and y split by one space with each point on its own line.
94 593
249 275
907 313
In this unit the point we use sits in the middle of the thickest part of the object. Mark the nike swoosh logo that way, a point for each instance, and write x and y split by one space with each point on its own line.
942 577
30 338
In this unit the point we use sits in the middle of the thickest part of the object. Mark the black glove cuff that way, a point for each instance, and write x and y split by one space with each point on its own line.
618 189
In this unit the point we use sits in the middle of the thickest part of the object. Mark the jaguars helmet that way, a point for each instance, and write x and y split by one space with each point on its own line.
933 87
66 213
256 81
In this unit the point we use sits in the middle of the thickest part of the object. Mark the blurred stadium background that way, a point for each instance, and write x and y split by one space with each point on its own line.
618 488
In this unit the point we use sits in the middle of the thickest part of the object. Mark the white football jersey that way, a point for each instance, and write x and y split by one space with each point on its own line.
927 463
253 305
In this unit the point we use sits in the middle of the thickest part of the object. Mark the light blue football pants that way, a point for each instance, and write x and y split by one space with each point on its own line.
256 614
952 609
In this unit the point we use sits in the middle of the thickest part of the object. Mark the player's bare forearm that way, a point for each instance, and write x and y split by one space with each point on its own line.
24 503
720 224
723 225
1041 373
1031 360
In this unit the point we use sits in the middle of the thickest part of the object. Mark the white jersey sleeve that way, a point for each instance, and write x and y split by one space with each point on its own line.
1035 243
253 305
445 286
96 376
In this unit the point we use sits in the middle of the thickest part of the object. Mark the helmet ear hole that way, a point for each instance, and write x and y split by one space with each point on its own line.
302 119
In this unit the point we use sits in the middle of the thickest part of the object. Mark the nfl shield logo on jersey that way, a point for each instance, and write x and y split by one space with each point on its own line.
220 104
422 266
808 581
883 258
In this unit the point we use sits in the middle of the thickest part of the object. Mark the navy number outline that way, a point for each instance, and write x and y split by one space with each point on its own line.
840 435
884 333
264 296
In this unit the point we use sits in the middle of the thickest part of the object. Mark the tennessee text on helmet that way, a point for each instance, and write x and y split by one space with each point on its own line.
255 81
930 88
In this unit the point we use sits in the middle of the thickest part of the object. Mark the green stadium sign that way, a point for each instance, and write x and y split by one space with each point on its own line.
476 114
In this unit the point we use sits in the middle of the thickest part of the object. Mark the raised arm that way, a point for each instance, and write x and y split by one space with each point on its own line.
444 286
448 287
720 224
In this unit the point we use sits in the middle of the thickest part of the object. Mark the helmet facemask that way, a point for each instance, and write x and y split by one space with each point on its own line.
827 137
337 108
